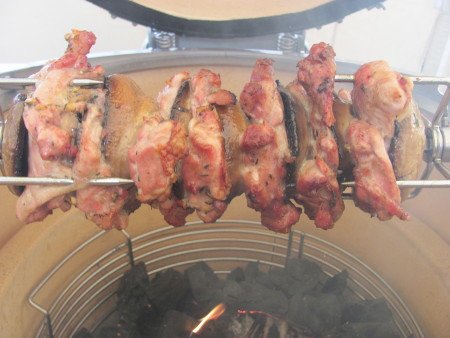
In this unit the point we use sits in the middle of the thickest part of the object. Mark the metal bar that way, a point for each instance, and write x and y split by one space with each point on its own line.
14 180
442 108
414 184
416 79
112 181
14 83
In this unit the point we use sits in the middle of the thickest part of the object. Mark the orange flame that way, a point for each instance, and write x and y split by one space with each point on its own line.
213 314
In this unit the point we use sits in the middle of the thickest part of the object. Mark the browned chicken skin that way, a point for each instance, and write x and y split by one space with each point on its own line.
376 190
266 150
317 188
380 95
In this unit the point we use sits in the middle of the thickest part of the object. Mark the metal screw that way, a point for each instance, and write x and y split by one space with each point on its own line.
288 42
163 40
292 43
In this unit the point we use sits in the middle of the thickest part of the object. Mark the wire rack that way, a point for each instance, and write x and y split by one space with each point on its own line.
88 297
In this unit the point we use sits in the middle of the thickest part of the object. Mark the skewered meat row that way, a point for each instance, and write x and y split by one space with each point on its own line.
197 148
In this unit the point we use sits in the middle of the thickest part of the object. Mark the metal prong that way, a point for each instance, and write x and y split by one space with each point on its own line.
413 184
15 83
62 181
416 79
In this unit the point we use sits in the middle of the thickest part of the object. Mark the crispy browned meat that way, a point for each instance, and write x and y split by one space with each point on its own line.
367 163
317 188
50 116
204 170
266 151
376 190
380 95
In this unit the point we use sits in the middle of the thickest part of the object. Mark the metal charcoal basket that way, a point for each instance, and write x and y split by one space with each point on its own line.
89 297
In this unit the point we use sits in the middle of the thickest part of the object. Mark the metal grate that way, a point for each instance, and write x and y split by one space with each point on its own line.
88 297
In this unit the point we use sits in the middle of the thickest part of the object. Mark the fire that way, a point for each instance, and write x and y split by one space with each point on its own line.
213 314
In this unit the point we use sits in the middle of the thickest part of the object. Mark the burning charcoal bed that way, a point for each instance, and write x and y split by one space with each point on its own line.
297 301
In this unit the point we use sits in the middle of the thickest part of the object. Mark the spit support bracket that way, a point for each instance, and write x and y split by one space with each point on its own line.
437 150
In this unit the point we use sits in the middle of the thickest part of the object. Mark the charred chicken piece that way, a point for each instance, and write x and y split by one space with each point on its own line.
204 171
380 95
317 188
266 151
376 190
67 139
174 101
160 144
125 109
51 116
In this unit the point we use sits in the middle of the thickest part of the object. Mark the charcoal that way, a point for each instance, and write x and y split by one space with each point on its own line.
167 289
368 330
336 284
251 271
83 333
176 324
117 332
305 275
205 285
314 314
237 275
374 310
134 307
254 297
300 276
273 332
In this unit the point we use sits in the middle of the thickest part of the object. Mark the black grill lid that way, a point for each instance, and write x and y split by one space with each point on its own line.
322 14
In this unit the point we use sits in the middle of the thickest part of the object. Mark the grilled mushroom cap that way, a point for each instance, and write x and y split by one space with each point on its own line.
14 144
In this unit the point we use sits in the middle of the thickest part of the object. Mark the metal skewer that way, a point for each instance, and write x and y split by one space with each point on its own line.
111 181
413 184
14 83
12 180
416 79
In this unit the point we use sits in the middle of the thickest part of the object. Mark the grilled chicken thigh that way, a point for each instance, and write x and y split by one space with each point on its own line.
376 190
204 171
51 115
266 150
380 95
317 188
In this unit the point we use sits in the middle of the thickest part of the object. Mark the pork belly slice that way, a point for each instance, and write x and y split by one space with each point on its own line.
376 190
316 185
380 95
204 170
52 115
265 150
